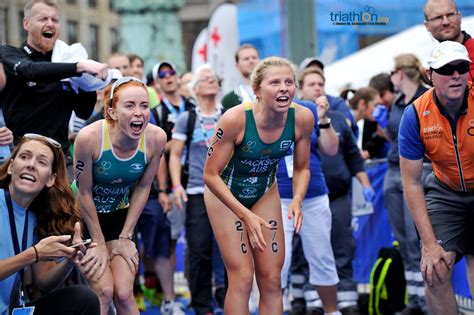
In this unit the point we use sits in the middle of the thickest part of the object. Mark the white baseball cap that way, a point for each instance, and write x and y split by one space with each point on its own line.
446 52
156 68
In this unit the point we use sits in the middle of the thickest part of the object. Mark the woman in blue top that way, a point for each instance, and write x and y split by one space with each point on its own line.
115 161
36 203
241 194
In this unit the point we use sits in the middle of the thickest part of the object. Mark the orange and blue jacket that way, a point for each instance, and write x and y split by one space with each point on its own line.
448 142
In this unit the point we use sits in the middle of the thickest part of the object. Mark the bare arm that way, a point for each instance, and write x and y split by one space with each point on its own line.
411 171
363 178
176 151
92 67
302 173
328 142
162 178
97 259
434 261
48 275
142 188
48 248
3 78
83 162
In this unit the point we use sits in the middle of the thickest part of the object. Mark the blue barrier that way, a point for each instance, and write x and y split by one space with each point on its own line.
373 231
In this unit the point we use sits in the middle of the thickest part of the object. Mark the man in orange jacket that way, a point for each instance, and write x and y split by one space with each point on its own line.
440 125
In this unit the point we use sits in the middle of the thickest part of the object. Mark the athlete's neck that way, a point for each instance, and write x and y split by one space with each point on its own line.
207 104
122 144
267 118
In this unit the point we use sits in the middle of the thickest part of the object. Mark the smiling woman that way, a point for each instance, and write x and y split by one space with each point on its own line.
115 161
36 203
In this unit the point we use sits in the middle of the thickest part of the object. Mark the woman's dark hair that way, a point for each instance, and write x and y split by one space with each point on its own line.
382 82
133 57
55 207
366 93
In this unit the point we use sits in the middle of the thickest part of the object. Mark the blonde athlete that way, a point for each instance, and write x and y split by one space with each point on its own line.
241 193
115 161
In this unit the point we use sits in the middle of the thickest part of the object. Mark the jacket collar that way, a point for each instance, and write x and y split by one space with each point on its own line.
34 54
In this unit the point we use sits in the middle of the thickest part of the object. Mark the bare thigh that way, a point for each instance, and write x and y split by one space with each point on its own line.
231 233
272 258
123 277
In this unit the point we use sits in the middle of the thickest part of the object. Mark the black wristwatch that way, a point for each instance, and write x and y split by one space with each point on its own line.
326 125
162 191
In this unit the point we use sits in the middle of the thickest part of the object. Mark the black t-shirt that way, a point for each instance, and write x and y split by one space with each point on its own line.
34 98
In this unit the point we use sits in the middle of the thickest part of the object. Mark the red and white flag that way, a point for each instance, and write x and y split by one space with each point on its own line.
223 42
199 50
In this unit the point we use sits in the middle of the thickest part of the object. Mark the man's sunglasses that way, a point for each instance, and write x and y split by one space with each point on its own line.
35 136
449 69
162 74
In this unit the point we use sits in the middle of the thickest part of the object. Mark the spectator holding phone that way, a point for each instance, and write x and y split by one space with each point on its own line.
38 216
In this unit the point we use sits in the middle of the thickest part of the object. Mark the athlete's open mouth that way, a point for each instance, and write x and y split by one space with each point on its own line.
136 126
283 99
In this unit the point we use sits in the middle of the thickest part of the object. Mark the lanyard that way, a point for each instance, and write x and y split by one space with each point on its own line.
172 109
16 244
201 123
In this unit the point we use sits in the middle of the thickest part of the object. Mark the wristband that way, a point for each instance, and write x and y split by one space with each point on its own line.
36 253
326 125
162 191
128 237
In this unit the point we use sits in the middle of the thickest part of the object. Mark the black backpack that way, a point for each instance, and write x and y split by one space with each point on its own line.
189 134
388 287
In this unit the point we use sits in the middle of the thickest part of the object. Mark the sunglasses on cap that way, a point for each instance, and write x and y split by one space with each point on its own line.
35 136
449 69
162 74
118 83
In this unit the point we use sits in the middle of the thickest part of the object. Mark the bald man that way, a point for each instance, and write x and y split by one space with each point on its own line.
443 21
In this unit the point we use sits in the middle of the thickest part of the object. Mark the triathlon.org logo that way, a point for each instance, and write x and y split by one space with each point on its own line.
366 17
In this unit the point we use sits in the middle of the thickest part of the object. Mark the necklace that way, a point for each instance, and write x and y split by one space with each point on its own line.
217 114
